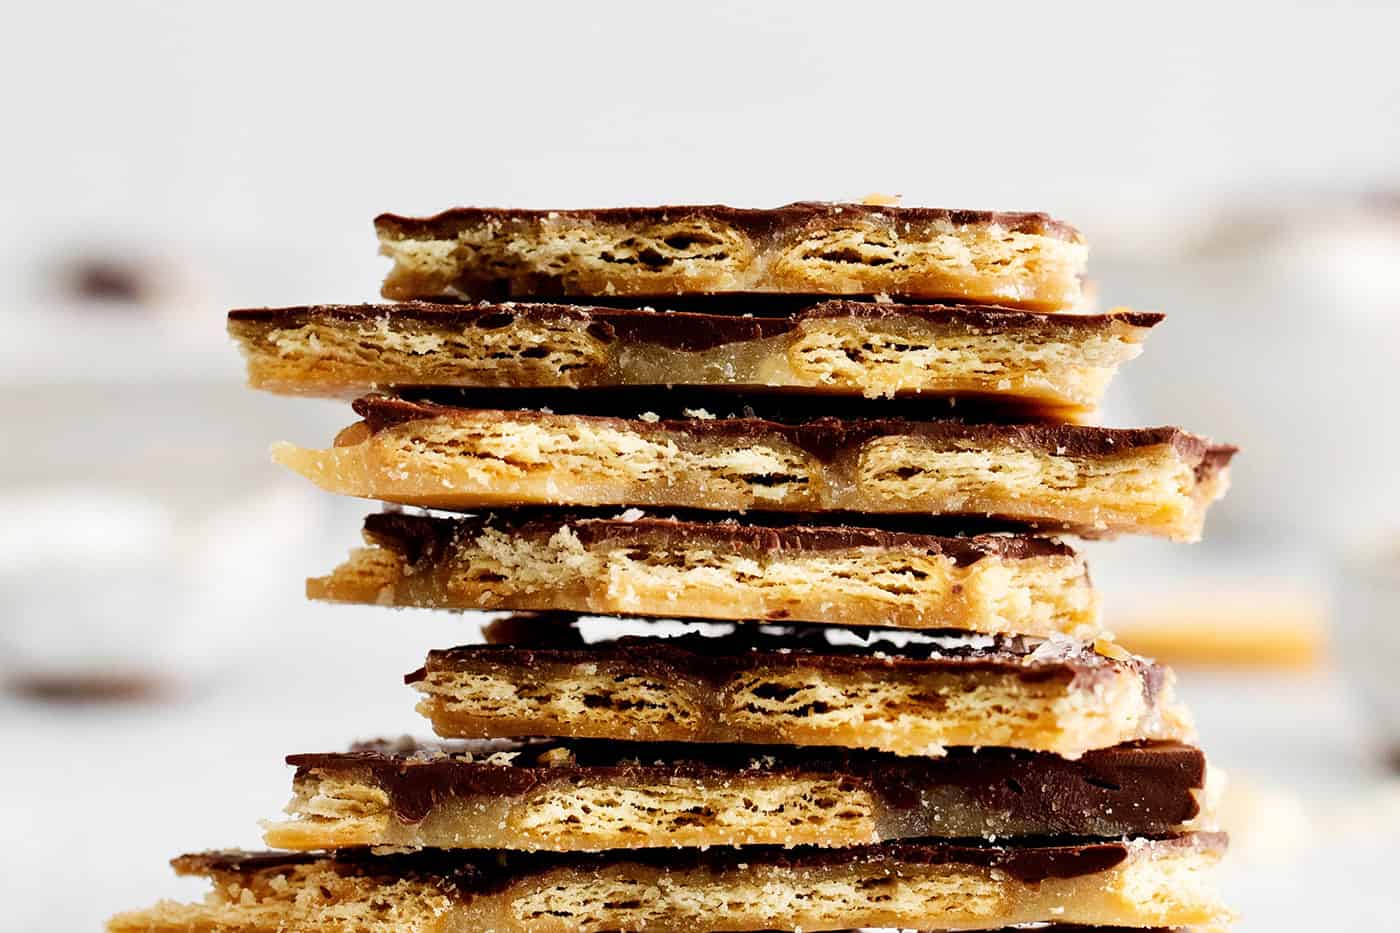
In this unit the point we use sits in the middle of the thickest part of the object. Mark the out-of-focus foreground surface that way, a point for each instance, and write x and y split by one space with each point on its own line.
1233 166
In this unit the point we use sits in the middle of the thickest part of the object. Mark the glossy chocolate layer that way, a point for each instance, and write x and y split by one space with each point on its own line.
754 222
688 404
918 525
726 322
803 421
531 639
1147 786
423 537
474 872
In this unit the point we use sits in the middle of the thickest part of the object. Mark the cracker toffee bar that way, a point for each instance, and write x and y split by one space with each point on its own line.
900 692
1135 883
1015 359
1054 477
1026 260
580 795
640 565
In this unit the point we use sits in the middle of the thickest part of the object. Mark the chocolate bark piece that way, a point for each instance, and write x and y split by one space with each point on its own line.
1026 260
907 693
570 795
1136 883
787 458
646 565
995 358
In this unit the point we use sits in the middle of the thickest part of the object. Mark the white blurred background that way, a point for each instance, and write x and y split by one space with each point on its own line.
1235 165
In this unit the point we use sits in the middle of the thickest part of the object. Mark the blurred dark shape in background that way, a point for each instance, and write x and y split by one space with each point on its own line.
107 280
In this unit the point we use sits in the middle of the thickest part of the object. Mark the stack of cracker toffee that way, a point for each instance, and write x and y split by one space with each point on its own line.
807 459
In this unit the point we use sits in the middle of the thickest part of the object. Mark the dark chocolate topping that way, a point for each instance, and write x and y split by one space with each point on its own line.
754 222
483 872
805 422
1148 786
422 538
536 639
938 526
693 331
678 403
